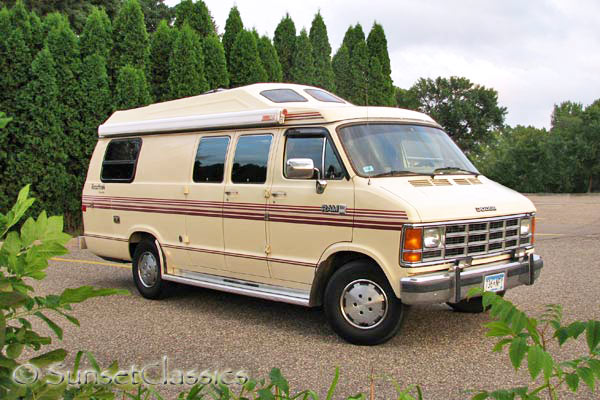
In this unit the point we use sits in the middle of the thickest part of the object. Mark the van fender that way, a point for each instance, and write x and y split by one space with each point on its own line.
321 272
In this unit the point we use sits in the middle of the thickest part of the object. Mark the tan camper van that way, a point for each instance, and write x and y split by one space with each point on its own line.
289 193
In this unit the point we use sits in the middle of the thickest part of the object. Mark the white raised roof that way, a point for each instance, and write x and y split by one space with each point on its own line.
243 106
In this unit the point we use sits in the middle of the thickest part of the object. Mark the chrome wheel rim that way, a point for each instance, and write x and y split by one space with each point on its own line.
148 269
363 304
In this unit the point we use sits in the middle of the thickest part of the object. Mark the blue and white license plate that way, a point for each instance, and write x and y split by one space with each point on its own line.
494 283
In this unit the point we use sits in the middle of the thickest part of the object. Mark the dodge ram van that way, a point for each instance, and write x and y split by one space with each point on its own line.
289 193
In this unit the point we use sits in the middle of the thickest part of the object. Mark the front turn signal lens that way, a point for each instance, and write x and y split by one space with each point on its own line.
413 239
411 257
532 229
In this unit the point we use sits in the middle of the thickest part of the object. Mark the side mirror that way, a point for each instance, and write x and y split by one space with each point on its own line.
299 168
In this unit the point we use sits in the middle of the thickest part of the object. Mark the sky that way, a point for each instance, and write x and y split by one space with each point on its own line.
535 53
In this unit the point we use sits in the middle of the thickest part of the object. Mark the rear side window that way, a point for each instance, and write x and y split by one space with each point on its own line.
322 95
209 165
251 159
120 160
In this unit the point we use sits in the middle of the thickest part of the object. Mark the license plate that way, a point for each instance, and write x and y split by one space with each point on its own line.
494 283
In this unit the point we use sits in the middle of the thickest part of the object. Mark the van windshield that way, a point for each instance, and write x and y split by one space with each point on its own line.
377 150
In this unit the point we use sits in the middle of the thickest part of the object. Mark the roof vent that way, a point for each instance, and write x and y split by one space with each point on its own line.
441 182
461 181
475 181
421 182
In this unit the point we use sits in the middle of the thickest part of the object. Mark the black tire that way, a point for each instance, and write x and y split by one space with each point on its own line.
356 276
473 305
149 288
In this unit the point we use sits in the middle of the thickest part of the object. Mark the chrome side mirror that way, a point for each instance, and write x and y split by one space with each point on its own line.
299 168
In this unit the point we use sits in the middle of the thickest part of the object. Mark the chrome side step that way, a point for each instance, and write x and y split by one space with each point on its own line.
239 286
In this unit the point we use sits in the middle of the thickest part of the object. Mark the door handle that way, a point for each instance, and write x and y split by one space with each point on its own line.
279 194
231 192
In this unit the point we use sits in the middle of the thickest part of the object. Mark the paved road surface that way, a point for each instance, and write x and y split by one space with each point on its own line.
444 351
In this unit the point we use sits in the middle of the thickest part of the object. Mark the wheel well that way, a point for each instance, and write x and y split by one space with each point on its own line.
136 238
328 267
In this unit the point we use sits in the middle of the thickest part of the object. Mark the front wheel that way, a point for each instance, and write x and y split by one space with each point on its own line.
361 306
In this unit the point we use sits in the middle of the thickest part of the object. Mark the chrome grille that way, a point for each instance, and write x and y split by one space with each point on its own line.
478 238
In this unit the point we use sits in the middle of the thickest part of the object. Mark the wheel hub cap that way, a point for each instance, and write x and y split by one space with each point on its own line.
148 269
363 304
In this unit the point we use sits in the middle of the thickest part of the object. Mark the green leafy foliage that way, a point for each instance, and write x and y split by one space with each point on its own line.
284 40
96 37
24 254
321 54
161 48
246 67
130 38
303 66
270 60
154 12
215 64
196 15
529 342
233 26
186 68
359 71
342 72
131 89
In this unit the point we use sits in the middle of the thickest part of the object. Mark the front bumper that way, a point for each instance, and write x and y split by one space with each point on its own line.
453 286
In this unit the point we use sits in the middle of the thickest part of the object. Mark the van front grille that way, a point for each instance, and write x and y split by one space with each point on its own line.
478 238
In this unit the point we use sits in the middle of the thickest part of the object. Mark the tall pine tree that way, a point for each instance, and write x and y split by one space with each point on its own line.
215 65
269 59
377 84
196 15
342 70
359 60
246 67
303 65
131 88
96 37
377 44
186 68
321 54
233 26
285 44
161 48
130 38
42 141
353 36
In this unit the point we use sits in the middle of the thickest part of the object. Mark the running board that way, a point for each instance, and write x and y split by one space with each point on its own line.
238 286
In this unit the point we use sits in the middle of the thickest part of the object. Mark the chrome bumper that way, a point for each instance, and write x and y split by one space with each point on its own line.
453 286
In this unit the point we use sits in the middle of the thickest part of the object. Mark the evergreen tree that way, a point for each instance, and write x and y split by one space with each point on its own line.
96 102
359 61
15 68
52 21
377 45
41 141
131 89
197 17
37 33
20 19
321 54
246 67
342 70
63 44
377 84
130 39
215 65
154 12
285 43
97 34
233 26
186 69
303 64
353 36
161 47
270 60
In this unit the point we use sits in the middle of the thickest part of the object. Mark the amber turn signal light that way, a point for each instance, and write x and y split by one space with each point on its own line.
411 257
413 239
532 229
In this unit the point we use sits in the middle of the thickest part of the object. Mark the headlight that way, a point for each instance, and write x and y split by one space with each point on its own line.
525 226
433 238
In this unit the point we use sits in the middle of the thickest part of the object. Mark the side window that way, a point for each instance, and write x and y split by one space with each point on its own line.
209 165
251 159
120 160
312 147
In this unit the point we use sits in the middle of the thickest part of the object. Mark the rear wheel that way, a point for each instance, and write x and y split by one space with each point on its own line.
361 306
147 271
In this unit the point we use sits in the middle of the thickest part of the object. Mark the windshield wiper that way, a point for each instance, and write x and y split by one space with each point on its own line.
397 173
444 169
